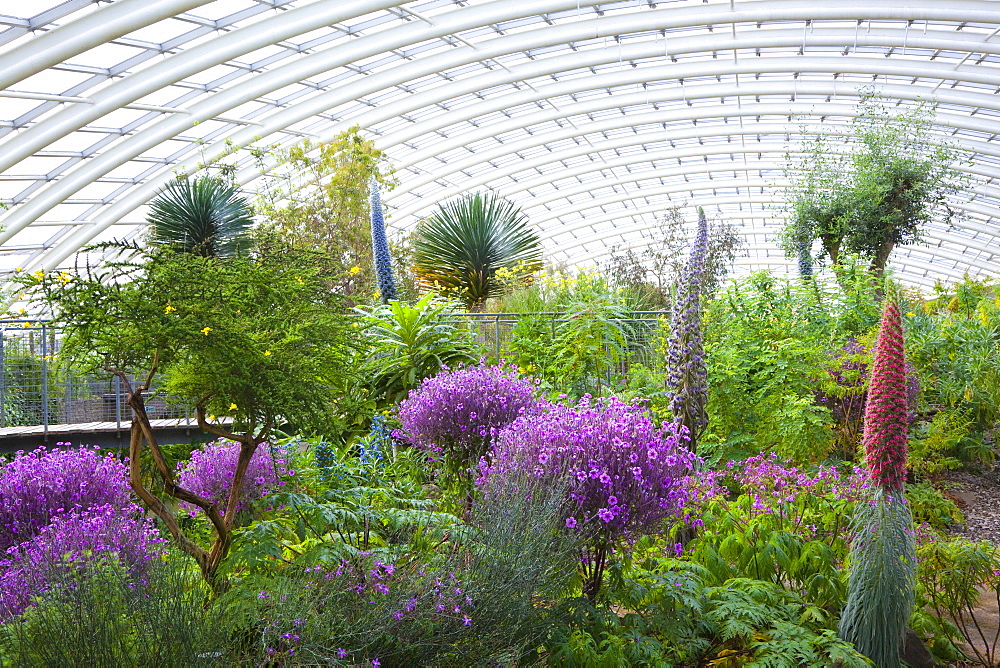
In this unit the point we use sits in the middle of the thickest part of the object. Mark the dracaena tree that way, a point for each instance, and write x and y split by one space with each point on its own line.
205 216
460 247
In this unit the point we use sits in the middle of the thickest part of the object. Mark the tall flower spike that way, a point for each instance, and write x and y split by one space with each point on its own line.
687 377
886 411
881 588
380 249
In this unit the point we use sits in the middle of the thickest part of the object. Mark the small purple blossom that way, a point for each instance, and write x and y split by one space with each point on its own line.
458 411
209 473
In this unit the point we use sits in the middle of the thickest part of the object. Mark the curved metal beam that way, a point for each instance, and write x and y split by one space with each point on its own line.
95 29
959 7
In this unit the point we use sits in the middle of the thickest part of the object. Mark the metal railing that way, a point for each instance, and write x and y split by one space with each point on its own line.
36 389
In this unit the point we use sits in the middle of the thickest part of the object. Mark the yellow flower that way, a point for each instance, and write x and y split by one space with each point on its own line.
19 269
354 271
301 282
232 407
39 275
211 418
169 309
206 330
267 353
64 277
22 311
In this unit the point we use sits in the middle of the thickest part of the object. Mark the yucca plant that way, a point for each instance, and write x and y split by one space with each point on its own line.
881 589
462 245
204 216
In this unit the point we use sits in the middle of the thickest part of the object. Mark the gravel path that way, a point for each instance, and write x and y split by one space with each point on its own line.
978 495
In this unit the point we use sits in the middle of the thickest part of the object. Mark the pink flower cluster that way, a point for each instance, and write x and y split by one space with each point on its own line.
772 482
458 411
209 473
886 419
624 475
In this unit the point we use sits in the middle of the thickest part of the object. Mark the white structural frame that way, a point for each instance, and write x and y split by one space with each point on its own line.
573 108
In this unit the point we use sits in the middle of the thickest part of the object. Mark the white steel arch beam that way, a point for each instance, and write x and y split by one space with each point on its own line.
393 38
700 17
537 162
783 68
94 29
959 3
175 68
932 232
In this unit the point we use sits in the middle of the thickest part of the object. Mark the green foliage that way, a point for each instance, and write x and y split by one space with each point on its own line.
882 586
937 442
459 249
674 619
767 345
94 618
930 507
877 194
797 545
409 343
204 216
956 578
954 342
576 334
317 198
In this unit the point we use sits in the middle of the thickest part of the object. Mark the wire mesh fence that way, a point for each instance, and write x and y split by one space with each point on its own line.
496 331
37 388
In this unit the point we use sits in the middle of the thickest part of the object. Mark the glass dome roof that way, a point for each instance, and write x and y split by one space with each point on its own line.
594 116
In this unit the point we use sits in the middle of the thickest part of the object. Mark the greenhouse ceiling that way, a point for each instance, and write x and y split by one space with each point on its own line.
596 117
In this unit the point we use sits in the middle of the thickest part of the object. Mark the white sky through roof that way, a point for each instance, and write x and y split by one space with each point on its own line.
593 116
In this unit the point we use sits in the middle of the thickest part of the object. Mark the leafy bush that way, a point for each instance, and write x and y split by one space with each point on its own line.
953 576
783 525
410 343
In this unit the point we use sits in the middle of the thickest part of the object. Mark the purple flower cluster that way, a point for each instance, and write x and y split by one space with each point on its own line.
625 475
773 483
687 376
38 486
458 411
209 473
71 543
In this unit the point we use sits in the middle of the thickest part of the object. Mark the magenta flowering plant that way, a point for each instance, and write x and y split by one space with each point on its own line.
458 412
625 475
71 544
209 473
764 518
38 486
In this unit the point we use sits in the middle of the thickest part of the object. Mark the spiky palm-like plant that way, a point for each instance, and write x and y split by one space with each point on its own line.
883 551
463 244
380 250
687 377
204 216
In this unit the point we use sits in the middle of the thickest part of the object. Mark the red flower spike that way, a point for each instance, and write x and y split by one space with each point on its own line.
885 432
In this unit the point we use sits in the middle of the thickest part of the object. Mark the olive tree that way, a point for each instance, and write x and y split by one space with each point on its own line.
877 190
